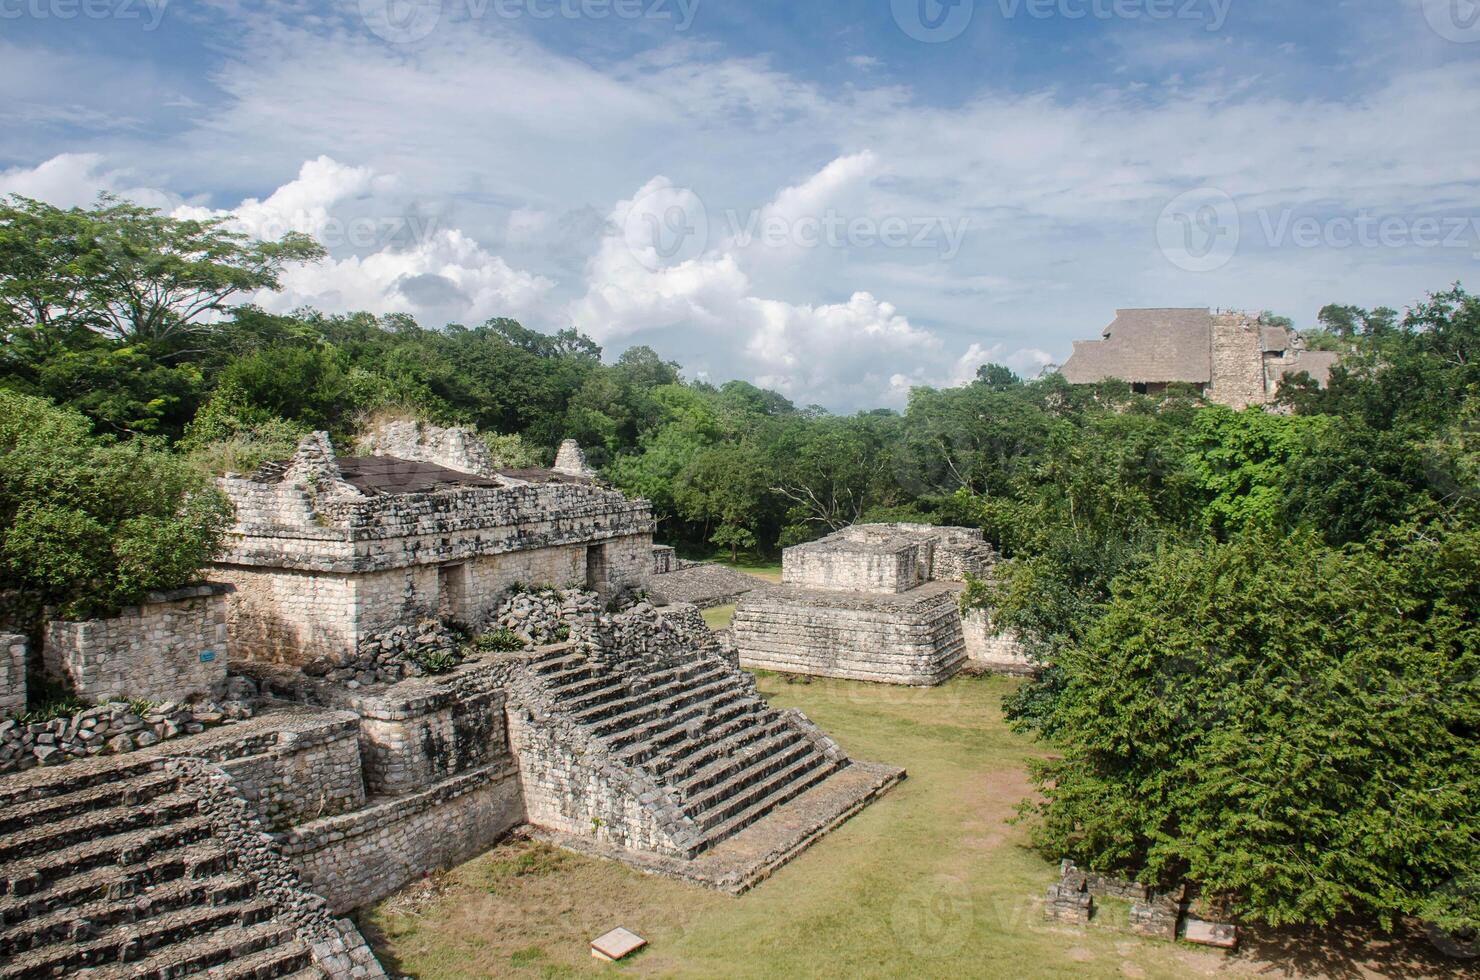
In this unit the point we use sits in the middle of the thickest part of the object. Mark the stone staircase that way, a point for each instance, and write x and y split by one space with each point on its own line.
690 726
113 869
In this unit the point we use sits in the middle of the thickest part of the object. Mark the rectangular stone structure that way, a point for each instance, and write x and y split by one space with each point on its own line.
170 647
913 639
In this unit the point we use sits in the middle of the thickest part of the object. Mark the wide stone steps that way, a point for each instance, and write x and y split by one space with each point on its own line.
743 786
134 847
87 827
172 934
726 733
203 860
695 727
61 924
219 949
109 870
148 786
762 807
652 711
663 694
714 764
289 959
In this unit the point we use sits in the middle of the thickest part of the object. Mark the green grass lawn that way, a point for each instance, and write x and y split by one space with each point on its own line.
719 617
766 568
930 881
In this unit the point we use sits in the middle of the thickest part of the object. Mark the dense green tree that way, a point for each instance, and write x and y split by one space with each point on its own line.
88 524
1287 726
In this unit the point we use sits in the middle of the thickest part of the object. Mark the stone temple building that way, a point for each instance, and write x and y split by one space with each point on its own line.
877 602
330 552
1234 359
424 652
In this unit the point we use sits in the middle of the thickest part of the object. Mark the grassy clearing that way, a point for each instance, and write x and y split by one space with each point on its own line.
764 568
719 617
929 881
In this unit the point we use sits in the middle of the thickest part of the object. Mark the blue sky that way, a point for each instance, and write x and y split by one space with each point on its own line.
836 199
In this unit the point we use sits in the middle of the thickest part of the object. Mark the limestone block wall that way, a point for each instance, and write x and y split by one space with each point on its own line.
990 650
915 639
305 774
284 616
356 859
172 647
12 674
844 566
348 533
415 738
491 576
422 442
1238 362
579 793
629 562
392 597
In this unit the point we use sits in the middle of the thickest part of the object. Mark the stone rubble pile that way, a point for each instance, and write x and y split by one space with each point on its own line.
389 656
114 728
548 617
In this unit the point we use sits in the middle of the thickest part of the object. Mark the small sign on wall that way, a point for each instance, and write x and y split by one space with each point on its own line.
206 656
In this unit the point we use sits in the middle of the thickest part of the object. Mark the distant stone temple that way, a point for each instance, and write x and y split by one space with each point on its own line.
876 602
1234 359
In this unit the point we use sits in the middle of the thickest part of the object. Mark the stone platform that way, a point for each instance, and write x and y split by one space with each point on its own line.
750 857
913 638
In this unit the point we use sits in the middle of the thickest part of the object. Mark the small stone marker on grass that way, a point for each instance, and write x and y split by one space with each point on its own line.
1220 934
615 945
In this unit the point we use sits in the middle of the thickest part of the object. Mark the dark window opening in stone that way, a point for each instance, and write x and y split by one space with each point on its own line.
596 567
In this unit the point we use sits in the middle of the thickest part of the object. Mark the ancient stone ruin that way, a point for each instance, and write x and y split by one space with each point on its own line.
876 602
426 652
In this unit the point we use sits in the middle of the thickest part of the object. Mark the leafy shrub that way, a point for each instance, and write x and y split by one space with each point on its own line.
438 662
502 640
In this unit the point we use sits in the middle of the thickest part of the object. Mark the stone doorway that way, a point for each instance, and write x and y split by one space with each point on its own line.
452 593
596 576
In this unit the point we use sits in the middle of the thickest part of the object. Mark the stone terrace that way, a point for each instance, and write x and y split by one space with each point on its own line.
145 866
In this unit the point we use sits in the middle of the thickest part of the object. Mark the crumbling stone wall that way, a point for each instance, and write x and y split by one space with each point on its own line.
422 442
356 859
991 650
421 733
172 647
12 674
1238 362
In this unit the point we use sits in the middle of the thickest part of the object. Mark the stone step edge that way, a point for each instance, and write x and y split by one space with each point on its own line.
711 870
